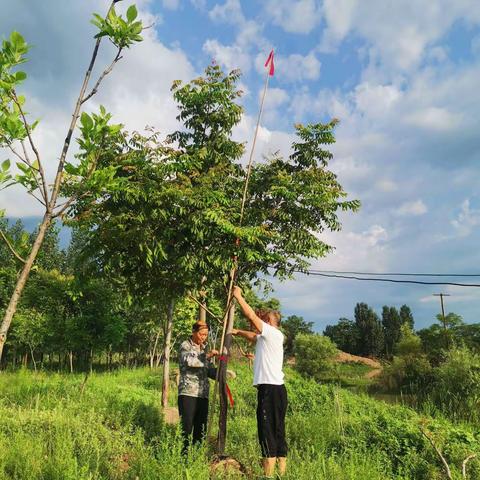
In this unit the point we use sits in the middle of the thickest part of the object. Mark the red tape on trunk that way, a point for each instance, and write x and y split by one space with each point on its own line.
229 395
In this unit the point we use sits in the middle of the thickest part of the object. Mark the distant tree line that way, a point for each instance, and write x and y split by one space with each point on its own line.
367 334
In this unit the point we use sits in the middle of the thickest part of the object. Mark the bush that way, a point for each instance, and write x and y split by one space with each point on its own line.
314 355
456 385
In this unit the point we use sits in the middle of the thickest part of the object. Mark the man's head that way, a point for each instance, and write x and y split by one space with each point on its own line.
272 317
199 332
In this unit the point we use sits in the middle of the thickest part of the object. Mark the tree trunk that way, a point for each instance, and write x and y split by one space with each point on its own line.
166 354
22 279
33 358
222 384
153 353
70 355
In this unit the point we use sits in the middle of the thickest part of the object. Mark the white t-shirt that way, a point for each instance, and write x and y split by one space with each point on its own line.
268 363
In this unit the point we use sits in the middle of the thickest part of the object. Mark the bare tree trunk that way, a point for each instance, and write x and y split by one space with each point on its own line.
166 354
153 352
222 384
70 355
33 358
21 281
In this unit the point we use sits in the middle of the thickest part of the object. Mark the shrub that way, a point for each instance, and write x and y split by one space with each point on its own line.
456 385
314 355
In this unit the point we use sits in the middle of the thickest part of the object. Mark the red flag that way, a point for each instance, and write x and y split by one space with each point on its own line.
272 65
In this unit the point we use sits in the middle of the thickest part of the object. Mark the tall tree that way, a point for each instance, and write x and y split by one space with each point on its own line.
293 326
371 340
16 134
392 323
406 316
345 334
176 220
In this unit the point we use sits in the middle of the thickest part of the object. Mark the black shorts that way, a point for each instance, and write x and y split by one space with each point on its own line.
271 411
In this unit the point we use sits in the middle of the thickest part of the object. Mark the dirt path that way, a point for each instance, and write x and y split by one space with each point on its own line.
344 357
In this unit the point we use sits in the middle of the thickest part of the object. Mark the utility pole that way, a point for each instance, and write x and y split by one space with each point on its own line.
441 295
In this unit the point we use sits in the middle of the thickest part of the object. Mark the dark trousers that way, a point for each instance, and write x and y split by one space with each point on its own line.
271 410
193 415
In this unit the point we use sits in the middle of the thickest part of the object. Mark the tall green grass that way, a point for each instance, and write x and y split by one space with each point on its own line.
49 429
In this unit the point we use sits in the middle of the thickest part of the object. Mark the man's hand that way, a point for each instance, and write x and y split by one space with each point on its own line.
237 292
212 353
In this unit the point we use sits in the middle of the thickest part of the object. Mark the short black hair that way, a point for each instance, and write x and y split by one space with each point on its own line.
197 326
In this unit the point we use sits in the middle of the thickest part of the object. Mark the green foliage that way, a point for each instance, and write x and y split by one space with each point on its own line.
314 355
371 335
391 322
345 334
455 389
406 316
122 32
114 430
410 370
291 327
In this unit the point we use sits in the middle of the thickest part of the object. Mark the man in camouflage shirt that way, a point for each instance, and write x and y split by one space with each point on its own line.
193 388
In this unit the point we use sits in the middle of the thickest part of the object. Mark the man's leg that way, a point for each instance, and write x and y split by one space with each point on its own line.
269 466
266 432
280 411
200 420
186 410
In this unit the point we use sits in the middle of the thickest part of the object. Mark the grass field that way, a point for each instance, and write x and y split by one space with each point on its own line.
50 429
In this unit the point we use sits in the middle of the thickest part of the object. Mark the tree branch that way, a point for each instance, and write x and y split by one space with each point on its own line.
37 199
44 189
22 159
75 115
10 247
102 76
439 453
464 464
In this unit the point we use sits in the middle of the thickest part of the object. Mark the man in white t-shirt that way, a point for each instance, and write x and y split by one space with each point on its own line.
268 378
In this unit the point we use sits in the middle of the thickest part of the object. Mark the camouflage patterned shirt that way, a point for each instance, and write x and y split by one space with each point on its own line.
195 369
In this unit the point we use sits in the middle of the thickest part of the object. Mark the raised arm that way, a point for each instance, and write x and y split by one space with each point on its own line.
247 310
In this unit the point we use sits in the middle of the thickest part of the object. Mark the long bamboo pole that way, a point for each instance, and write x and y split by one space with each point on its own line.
233 272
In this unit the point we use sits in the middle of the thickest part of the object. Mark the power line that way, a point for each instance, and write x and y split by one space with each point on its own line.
390 280
397 274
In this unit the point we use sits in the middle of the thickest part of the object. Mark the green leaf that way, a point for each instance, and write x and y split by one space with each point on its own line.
16 39
86 121
5 165
70 169
132 13
20 76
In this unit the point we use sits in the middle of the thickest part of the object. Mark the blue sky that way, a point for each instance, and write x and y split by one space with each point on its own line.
402 76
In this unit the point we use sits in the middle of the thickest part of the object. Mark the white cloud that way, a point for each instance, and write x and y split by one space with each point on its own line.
229 12
398 34
275 98
387 185
434 118
338 16
294 16
230 57
376 99
171 4
413 208
467 219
